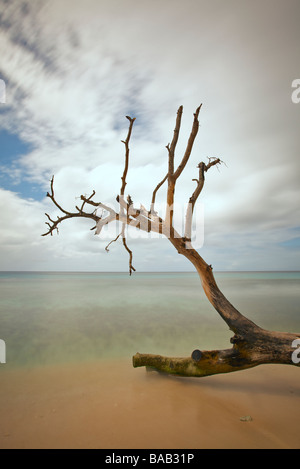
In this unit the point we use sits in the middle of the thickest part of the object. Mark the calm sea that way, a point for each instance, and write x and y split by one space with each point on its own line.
50 318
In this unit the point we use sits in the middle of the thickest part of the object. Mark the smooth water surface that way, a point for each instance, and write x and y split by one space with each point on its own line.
49 318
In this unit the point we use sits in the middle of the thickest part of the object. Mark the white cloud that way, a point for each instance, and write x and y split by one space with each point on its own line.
74 69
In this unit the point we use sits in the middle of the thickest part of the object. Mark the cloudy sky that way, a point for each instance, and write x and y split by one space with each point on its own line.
74 69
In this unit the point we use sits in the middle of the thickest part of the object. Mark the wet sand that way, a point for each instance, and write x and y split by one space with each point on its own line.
110 405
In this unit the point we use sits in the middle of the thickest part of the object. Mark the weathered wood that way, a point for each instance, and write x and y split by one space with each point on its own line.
252 345
265 348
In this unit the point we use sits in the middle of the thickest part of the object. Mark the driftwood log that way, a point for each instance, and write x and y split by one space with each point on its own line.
251 345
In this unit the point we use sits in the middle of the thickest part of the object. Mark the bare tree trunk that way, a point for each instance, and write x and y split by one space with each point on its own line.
252 345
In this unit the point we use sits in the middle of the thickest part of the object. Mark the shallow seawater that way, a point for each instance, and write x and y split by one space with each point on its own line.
51 318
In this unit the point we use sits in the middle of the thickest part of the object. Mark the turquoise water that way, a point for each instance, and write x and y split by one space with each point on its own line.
50 318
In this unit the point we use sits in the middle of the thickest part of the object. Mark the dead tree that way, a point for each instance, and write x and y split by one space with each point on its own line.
251 345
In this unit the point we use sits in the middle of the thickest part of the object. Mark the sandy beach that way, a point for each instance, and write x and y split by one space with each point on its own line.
110 405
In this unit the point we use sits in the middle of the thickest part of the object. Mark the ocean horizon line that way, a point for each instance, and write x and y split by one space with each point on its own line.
142 271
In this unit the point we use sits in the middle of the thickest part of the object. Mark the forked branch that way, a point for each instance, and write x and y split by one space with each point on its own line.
53 224
173 176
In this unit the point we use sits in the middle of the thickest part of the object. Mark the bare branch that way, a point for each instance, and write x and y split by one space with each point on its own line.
190 144
85 200
171 148
212 161
192 202
59 220
96 204
126 143
131 268
155 192
172 177
52 197
193 199
53 225
171 181
113 241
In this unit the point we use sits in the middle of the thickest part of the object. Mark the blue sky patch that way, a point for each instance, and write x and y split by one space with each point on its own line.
293 243
12 177
12 147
